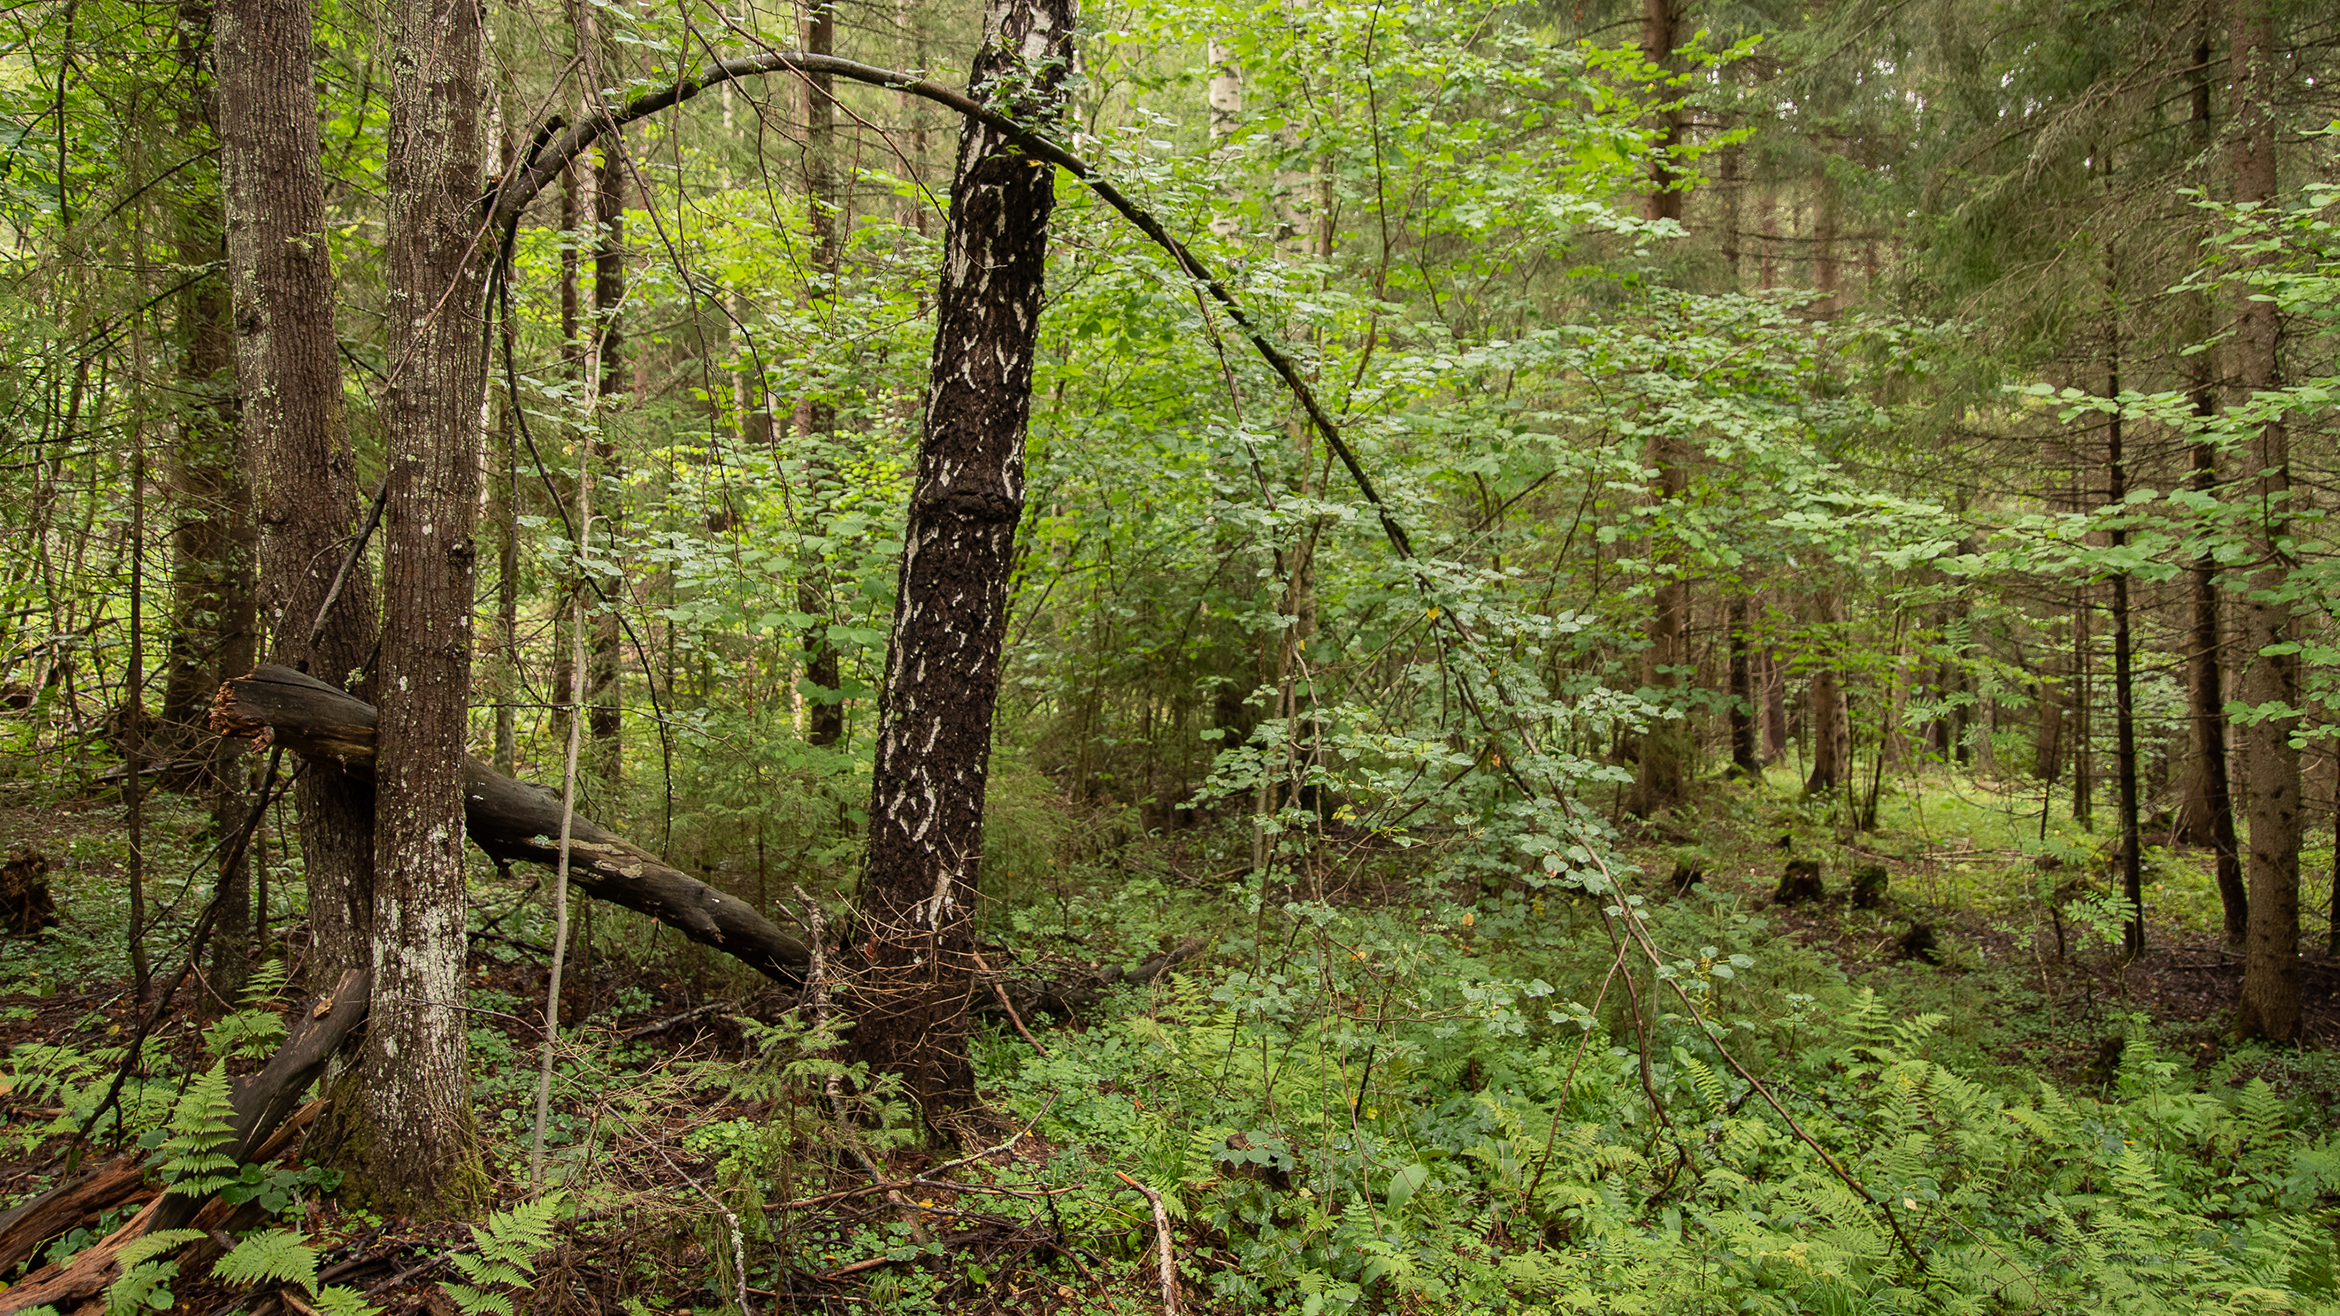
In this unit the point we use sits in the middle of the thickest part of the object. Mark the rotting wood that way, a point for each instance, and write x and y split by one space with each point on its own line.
511 820
268 1114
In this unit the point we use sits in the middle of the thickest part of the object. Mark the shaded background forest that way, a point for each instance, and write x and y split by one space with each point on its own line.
1813 415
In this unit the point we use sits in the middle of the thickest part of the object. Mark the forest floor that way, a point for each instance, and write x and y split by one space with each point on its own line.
687 1088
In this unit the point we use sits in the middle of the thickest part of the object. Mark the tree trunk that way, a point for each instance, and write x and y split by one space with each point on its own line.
411 1146
942 670
509 820
302 473
1746 756
212 611
1660 28
825 205
2270 1004
2124 688
1830 721
603 716
2206 814
2083 732
1660 779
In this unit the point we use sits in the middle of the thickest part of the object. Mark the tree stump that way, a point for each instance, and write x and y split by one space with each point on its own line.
1919 943
1868 887
26 907
1800 884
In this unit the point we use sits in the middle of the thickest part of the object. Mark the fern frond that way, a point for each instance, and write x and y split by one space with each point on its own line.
270 1254
195 1156
149 1246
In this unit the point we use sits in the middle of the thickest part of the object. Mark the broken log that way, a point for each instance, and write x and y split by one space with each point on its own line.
26 1228
264 1100
268 1116
510 820
1064 999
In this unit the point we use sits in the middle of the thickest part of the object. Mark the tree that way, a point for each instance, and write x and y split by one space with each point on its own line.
2270 1001
288 368
414 1148
918 888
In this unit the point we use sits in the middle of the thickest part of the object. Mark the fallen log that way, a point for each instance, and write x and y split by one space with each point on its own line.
510 820
24 1229
268 1117
1066 998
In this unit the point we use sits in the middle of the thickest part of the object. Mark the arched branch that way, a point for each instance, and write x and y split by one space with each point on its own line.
559 146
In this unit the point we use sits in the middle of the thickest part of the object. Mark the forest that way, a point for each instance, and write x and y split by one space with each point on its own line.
1336 656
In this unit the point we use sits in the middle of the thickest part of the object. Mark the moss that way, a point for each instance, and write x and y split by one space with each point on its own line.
347 1139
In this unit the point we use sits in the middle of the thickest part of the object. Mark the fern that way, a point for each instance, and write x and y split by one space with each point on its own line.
270 1254
196 1160
144 1282
253 1030
505 1251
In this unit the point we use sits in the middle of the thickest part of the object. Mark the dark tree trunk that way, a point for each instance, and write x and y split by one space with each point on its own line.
2083 734
602 718
212 610
942 670
301 471
2270 1005
828 217
1660 33
1746 754
412 1147
2206 815
1829 723
2124 689
509 820
1661 777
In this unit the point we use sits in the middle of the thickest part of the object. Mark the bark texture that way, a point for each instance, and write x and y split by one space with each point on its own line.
289 372
2270 1004
414 1148
912 940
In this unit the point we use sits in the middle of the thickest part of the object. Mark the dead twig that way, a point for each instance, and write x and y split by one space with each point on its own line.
1005 1004
1162 1254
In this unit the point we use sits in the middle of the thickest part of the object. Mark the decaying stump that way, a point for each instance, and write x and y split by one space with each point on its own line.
1800 884
1920 943
511 820
26 907
1868 887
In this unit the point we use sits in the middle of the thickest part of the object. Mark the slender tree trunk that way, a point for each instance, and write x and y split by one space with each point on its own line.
1661 777
1775 711
2206 816
942 670
1746 759
1660 33
1830 719
1734 205
301 471
413 1147
2082 732
2124 686
609 294
211 538
2270 1004
825 206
